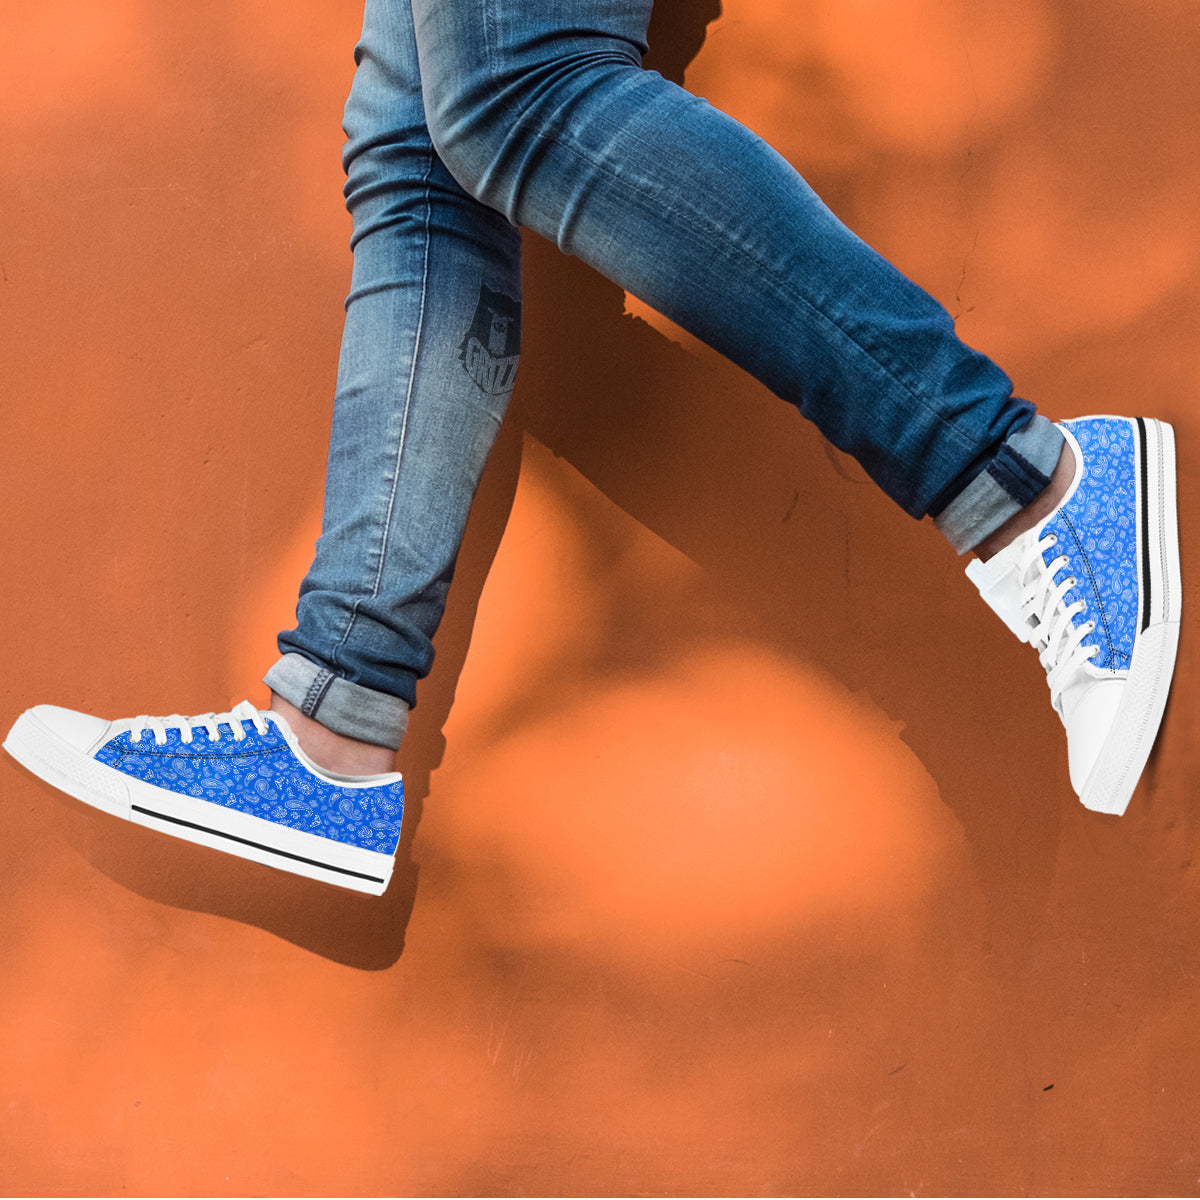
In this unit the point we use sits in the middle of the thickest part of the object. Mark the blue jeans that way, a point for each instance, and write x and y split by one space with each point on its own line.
469 118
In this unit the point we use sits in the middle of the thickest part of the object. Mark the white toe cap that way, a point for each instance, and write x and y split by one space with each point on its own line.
79 730
1088 723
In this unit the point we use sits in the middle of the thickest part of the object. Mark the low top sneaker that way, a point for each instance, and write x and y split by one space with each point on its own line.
236 781
1095 589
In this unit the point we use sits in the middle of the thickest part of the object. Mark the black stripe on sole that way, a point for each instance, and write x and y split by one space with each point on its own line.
1145 530
312 862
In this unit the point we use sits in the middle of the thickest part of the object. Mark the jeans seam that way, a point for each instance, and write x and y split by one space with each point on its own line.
1016 475
491 41
335 652
321 683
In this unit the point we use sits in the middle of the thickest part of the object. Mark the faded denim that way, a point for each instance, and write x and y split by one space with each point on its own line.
469 119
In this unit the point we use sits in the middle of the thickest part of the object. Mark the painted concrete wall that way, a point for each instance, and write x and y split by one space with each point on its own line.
741 856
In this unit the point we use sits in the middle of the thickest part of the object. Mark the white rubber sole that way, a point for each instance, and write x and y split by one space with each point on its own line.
40 750
1112 781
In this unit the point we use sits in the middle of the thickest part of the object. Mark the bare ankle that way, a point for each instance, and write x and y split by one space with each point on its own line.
333 751
1040 508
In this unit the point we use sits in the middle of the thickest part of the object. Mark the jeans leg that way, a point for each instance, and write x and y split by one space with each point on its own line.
541 109
428 358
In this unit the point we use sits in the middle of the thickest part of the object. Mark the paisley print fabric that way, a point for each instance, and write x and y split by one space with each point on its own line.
261 776
1097 530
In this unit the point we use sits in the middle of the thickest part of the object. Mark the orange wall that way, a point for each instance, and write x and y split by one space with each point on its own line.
740 855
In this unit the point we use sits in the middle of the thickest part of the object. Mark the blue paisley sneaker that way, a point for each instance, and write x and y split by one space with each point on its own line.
236 781
1095 589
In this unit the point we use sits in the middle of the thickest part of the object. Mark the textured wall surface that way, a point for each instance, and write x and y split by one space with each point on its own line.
741 856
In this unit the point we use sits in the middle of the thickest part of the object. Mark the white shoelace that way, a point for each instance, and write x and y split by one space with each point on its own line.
212 722
1051 620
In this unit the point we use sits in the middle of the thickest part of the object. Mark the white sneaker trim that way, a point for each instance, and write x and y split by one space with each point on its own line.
40 749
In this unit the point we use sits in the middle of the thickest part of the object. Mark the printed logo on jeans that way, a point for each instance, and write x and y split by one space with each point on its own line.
491 350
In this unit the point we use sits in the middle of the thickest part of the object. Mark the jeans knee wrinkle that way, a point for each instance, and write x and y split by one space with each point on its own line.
482 127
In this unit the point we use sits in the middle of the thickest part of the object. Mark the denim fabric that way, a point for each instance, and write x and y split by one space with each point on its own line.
1020 466
365 714
470 118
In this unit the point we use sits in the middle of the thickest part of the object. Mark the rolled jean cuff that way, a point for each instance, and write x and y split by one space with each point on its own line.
1019 471
346 708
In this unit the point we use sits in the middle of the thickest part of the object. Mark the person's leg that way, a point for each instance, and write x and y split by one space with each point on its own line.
543 111
428 359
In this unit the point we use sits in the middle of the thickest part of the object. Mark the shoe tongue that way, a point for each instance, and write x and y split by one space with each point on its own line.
999 583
